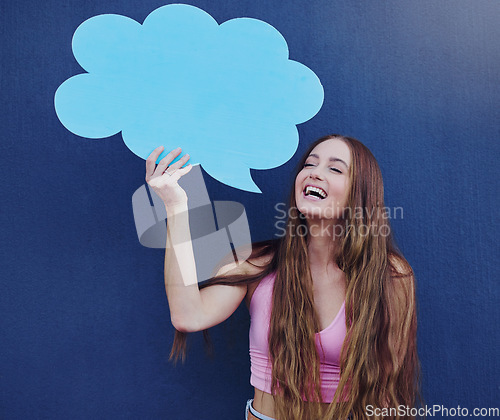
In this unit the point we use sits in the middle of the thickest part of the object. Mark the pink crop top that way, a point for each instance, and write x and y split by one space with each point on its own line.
332 338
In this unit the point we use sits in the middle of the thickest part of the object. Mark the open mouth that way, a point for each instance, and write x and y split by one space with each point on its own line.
317 192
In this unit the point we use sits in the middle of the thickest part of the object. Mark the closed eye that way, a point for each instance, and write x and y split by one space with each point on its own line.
336 170
308 164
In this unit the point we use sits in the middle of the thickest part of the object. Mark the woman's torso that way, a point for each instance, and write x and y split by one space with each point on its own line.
329 295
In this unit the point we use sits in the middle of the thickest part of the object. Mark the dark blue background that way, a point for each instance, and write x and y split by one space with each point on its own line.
85 329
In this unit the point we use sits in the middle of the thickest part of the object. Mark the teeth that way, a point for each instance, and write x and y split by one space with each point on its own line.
320 191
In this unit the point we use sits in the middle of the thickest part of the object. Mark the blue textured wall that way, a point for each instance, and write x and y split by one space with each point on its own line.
85 330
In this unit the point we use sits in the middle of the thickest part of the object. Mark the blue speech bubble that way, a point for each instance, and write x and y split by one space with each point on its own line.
227 94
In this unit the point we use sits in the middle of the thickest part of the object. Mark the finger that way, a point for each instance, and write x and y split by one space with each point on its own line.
174 166
150 161
181 172
181 162
163 164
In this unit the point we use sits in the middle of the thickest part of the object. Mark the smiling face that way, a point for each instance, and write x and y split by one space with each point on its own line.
322 186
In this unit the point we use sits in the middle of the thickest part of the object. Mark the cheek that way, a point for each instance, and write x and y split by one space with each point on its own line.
341 190
298 182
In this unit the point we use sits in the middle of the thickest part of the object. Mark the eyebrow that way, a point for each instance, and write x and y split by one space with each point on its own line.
332 159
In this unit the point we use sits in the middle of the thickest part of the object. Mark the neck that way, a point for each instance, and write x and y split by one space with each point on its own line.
322 244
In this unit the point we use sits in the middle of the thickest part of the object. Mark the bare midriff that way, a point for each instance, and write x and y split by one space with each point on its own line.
263 402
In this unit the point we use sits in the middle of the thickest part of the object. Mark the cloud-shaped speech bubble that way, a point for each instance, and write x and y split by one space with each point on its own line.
227 94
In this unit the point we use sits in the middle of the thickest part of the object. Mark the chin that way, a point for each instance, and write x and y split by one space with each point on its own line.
315 212
312 212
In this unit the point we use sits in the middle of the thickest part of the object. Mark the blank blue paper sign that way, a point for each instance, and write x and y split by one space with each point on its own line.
227 94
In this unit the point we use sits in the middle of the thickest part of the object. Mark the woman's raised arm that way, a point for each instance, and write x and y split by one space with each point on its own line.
190 309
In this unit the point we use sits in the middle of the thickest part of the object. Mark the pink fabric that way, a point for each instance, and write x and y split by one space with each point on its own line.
332 338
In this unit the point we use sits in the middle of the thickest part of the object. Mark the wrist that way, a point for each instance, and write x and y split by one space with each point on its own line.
176 208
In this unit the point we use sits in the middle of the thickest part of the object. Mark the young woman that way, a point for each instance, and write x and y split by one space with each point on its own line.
332 302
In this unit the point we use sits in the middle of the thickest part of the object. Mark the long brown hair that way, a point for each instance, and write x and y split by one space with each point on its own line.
379 363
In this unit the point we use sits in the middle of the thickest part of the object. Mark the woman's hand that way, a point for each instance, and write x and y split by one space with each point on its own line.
164 179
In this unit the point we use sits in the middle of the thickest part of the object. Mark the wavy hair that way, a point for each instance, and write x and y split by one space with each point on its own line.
379 363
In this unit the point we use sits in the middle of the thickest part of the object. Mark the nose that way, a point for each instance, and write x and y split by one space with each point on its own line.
316 173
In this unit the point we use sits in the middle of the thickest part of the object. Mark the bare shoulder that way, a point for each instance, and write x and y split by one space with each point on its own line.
253 266
248 267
